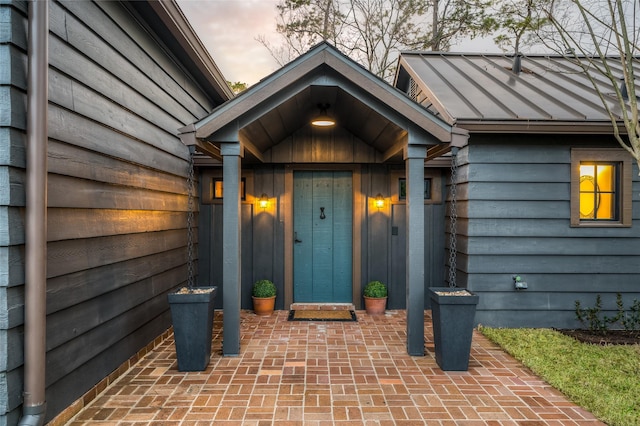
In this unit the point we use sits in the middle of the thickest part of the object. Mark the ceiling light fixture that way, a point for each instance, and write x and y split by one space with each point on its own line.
324 119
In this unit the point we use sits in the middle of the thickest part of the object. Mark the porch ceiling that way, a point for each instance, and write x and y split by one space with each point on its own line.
362 104
350 113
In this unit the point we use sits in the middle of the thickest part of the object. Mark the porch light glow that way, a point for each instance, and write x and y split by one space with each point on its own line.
379 203
263 202
324 119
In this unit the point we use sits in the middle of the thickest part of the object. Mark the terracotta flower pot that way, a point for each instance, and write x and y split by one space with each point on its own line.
375 305
263 305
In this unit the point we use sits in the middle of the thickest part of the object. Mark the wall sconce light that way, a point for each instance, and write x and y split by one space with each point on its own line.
263 202
379 201
324 119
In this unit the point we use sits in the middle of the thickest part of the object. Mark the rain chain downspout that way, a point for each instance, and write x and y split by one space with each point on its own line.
34 405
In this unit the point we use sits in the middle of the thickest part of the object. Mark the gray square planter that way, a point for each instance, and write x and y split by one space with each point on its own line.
192 317
453 319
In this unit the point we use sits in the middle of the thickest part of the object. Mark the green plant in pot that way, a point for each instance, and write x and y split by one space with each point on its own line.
264 297
375 297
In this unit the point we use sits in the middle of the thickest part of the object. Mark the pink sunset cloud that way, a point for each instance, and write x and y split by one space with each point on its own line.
229 28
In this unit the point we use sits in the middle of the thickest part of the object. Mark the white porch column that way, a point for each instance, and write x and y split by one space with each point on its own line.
414 156
231 247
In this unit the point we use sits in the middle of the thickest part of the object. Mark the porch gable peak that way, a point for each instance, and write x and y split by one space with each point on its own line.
272 111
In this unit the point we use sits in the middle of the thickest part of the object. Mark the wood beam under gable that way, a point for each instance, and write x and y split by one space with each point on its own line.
188 137
398 146
209 149
459 139
437 151
249 146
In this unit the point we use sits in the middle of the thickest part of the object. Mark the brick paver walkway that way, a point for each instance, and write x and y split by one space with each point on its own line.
322 373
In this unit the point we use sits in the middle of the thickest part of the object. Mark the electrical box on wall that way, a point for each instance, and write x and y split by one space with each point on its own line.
519 283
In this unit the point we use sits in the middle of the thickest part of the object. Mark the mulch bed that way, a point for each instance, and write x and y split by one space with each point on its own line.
611 337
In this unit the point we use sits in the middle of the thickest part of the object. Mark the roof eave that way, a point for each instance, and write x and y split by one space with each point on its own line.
178 26
538 127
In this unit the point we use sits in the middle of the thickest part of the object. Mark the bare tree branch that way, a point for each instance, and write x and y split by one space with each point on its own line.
605 35
373 32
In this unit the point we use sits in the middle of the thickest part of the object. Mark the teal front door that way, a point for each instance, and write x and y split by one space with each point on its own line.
322 248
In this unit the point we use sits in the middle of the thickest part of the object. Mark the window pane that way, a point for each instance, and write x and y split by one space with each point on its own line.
605 178
217 189
587 204
402 188
598 191
427 189
606 208
587 170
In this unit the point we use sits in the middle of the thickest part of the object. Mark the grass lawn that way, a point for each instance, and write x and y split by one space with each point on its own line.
603 379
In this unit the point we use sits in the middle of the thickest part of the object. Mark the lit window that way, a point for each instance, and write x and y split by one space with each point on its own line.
598 194
217 189
601 187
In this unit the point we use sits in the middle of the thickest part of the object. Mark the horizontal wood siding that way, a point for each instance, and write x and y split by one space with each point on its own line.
116 193
514 218
13 82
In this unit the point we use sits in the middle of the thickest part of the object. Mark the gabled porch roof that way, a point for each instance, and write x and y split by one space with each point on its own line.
248 127
372 110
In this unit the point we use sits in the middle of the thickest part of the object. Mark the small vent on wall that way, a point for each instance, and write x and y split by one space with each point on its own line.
413 89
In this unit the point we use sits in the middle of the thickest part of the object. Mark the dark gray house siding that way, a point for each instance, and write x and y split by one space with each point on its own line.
13 81
116 190
514 218
520 168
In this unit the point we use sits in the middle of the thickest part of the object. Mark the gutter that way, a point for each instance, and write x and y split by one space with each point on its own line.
538 126
34 405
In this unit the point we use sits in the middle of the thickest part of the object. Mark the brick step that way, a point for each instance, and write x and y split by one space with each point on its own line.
323 306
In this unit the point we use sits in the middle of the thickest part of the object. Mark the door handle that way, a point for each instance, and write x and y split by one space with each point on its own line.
295 238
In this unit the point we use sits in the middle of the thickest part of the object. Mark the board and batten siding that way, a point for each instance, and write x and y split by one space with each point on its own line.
514 218
382 248
117 202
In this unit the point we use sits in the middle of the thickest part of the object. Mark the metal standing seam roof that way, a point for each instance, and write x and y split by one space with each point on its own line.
482 88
